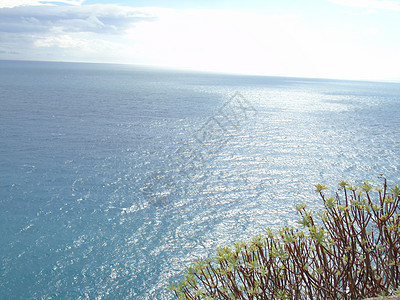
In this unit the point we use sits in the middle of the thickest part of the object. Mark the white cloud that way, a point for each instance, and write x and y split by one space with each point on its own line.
370 12
68 2
372 31
50 32
262 44
15 3
61 41
370 4
220 40
209 40
88 18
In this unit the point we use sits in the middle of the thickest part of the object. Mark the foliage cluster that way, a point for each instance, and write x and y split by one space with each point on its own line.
349 250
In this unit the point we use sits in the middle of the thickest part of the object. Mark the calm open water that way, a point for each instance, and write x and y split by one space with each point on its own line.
113 179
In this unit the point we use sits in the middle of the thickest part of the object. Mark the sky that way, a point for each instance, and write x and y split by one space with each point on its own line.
345 39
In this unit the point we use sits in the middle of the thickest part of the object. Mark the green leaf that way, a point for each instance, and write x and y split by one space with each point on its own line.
319 187
343 184
396 191
367 187
330 202
300 207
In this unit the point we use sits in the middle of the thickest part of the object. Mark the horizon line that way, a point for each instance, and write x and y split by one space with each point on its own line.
194 70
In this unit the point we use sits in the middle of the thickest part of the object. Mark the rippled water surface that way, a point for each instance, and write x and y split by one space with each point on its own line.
113 179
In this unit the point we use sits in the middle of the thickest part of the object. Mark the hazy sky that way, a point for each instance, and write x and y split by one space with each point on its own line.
354 39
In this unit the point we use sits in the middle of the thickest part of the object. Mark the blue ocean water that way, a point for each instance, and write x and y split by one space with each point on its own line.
113 178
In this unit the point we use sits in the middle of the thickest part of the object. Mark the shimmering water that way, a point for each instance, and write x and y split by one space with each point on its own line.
95 197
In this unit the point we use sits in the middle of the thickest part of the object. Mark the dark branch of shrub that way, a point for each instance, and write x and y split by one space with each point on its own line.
349 250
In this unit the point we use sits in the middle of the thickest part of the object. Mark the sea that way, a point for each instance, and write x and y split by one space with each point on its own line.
114 179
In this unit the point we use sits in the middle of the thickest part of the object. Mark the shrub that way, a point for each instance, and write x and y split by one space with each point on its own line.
349 250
